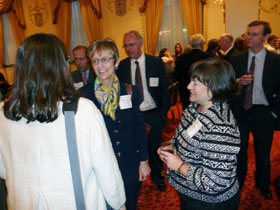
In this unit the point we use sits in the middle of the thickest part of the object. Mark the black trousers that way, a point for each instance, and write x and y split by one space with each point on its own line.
192 204
3 195
259 121
155 119
131 193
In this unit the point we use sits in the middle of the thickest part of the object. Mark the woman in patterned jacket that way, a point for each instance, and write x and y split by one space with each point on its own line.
203 166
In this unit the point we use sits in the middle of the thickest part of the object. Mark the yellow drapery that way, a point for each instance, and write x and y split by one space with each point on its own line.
17 21
153 15
16 18
192 14
91 14
62 14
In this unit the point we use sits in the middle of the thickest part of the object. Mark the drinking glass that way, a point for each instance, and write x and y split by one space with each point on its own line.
168 147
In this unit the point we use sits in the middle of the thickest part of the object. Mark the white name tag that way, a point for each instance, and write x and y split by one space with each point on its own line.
194 128
125 102
78 85
154 81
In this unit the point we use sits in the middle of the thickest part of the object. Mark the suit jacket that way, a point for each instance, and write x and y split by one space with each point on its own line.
184 62
230 54
78 77
127 133
270 81
154 69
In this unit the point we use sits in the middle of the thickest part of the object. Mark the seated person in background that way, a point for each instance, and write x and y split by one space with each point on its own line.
84 74
203 166
34 159
124 121
167 59
213 48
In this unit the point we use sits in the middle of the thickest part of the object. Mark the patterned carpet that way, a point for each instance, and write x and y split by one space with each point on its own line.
151 198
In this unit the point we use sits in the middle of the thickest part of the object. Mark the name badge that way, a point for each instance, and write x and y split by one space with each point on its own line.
78 85
154 81
125 102
194 128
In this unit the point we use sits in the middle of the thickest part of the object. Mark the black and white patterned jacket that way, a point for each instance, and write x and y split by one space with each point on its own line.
211 153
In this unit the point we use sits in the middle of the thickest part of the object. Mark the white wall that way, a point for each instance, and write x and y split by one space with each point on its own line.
239 15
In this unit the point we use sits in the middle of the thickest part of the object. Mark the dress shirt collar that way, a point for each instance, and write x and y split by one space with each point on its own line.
259 55
226 52
141 59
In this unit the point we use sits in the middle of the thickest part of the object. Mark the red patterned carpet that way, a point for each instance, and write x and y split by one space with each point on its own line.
151 198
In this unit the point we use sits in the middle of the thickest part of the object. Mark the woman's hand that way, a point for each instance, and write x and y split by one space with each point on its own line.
172 160
144 170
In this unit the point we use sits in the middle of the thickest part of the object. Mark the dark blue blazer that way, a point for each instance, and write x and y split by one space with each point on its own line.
77 76
127 134
270 81
154 68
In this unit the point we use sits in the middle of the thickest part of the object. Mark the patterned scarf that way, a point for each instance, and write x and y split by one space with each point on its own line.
108 99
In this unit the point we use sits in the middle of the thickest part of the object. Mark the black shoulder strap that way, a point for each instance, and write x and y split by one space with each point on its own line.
71 106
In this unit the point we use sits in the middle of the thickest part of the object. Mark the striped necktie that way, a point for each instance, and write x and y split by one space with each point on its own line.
248 100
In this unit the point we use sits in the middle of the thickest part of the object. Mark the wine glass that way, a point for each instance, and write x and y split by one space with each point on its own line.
168 147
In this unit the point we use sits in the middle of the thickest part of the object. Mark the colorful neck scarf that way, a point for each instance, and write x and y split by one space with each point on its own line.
108 99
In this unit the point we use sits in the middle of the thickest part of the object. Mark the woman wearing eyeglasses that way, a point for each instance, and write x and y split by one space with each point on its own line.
122 116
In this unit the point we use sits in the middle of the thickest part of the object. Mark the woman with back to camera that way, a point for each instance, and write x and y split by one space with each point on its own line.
207 141
34 158
119 105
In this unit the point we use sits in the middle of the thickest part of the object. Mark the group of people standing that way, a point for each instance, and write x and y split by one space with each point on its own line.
255 110
223 99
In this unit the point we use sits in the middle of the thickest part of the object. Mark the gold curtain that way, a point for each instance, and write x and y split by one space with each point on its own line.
192 13
17 21
62 15
91 14
153 15
16 18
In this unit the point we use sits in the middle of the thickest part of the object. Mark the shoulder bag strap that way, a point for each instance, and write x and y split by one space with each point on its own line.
69 113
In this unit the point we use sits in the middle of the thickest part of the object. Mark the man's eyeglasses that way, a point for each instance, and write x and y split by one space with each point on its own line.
102 61
253 34
130 44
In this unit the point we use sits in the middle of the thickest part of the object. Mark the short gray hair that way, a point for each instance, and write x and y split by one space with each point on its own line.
228 36
197 40
136 33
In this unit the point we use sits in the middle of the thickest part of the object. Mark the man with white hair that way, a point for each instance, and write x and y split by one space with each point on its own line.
225 43
183 64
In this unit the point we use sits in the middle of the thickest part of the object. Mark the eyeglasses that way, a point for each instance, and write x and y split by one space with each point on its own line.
102 61
130 44
253 34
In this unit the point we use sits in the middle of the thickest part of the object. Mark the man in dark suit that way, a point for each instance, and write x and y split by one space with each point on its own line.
148 74
258 71
84 74
183 64
225 43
